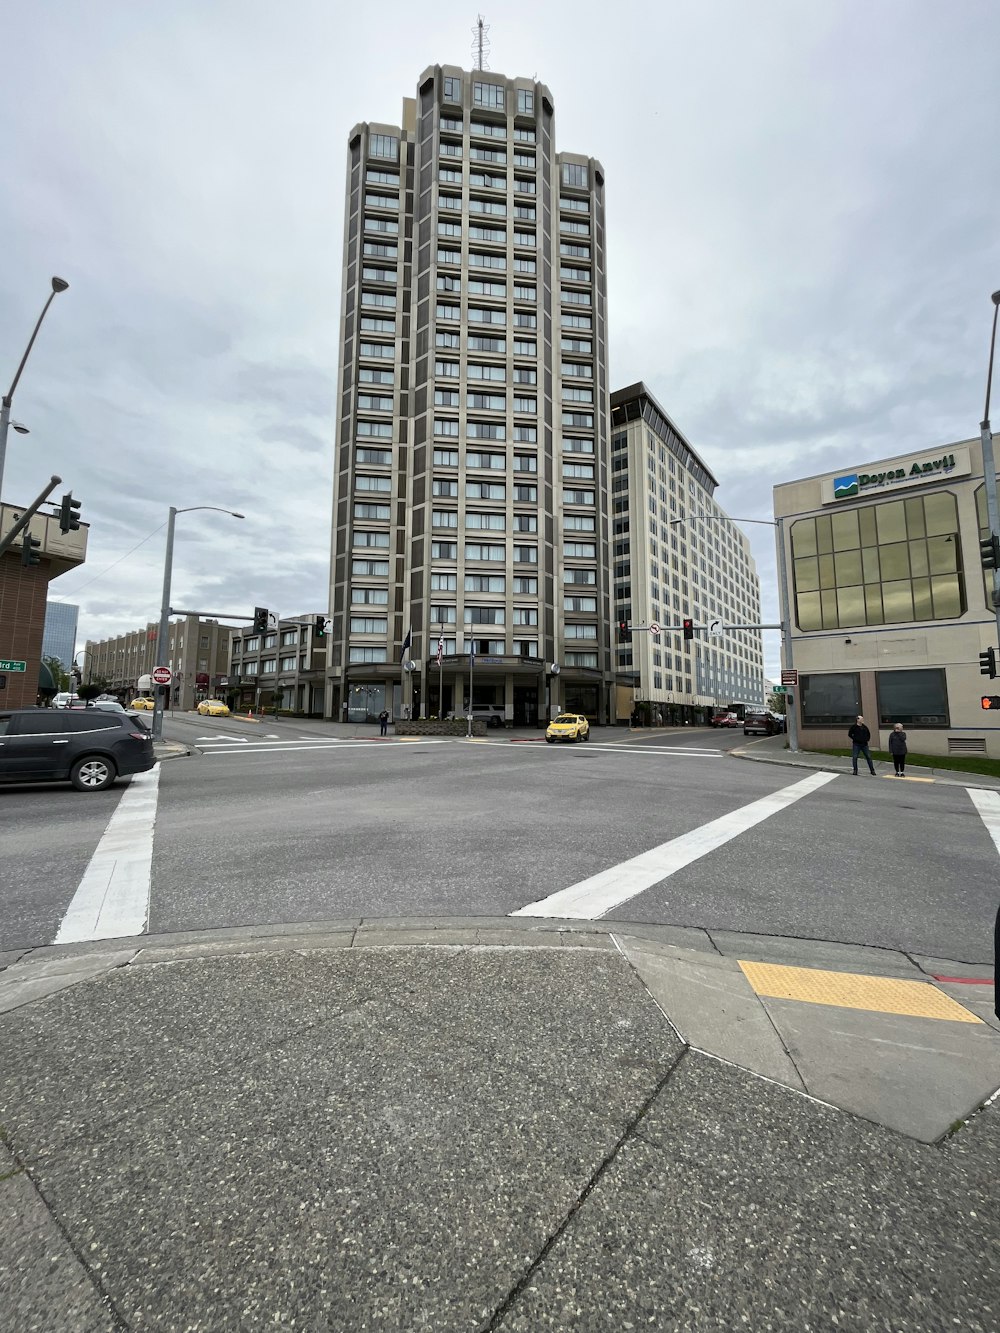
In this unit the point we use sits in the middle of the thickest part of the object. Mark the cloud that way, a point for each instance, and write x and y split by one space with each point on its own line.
801 225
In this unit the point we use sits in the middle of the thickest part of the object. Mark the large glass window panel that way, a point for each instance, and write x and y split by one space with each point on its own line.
919 565
897 601
845 530
804 537
891 520
915 525
941 513
828 600
830 699
947 593
873 604
851 605
915 698
942 553
923 607
870 565
810 615
824 535
866 524
827 576
848 568
807 574
895 561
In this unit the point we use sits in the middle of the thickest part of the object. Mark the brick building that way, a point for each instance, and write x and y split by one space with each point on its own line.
197 654
23 597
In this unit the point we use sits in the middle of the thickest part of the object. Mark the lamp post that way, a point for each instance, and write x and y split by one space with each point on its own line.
58 285
786 623
989 466
161 635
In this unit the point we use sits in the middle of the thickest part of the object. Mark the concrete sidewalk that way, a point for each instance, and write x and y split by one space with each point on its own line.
496 1124
772 750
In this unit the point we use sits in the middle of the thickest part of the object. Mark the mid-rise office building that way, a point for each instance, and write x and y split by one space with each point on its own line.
677 555
890 605
472 432
59 638
197 654
283 669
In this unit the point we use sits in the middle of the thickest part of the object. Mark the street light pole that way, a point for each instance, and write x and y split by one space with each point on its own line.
58 285
161 634
786 622
989 466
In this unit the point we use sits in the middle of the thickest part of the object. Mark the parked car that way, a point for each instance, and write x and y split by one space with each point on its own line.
724 719
213 708
63 699
759 723
89 747
568 727
143 703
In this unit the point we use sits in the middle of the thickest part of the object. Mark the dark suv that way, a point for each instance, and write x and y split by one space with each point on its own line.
758 721
88 747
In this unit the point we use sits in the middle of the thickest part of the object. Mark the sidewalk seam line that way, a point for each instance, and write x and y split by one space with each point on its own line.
501 1311
103 1295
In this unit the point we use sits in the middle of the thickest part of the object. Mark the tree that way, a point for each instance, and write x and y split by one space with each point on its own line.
91 690
778 703
59 673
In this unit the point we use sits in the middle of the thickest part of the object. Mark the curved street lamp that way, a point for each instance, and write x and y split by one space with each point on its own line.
161 635
58 285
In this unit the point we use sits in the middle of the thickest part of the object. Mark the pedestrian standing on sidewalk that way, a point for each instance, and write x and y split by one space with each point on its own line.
860 742
897 748
383 721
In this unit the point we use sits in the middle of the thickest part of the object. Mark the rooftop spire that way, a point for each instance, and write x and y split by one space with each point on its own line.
481 43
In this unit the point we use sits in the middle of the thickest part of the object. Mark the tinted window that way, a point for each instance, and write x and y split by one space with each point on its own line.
93 719
46 720
4 724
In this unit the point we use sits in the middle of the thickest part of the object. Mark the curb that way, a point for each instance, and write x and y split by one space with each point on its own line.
949 777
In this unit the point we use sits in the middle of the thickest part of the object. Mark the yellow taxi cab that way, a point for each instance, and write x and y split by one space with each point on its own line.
568 727
213 708
143 704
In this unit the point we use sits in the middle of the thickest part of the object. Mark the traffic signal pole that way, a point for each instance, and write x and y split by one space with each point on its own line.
989 465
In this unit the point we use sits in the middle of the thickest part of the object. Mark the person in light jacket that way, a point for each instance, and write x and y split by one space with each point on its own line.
897 748
860 742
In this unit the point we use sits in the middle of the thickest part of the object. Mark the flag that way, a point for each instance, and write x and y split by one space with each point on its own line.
440 649
406 644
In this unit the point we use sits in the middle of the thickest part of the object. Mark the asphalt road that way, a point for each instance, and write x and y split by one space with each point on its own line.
291 821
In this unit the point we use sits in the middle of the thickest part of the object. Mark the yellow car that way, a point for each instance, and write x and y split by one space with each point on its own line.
213 708
568 727
141 704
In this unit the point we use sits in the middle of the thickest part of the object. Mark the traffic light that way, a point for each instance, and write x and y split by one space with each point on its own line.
989 551
990 701
688 628
260 620
988 663
624 633
68 518
28 557
319 630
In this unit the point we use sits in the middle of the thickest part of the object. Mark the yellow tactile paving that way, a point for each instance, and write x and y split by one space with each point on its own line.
850 990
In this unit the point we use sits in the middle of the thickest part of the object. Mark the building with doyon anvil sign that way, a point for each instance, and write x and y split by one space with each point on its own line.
891 607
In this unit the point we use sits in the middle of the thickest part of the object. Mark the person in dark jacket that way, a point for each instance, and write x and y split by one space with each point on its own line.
897 748
860 742
383 721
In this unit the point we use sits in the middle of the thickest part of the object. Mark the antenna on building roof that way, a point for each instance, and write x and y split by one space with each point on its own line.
481 43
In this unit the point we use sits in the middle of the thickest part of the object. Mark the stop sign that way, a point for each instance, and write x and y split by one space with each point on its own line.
162 675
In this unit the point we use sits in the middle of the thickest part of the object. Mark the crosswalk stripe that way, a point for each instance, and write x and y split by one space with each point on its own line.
596 896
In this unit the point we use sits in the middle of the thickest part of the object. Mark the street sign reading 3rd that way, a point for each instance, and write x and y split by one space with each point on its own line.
7 664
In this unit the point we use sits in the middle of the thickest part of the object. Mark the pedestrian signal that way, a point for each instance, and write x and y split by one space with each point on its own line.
990 701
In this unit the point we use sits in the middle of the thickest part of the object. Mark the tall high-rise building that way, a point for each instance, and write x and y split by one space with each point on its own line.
59 638
472 423
677 556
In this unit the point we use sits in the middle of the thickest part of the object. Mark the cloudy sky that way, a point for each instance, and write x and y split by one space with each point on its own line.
804 229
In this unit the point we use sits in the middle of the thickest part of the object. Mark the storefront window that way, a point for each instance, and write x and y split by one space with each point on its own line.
888 564
830 700
915 698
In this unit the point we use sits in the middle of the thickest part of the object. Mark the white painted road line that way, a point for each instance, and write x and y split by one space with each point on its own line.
113 897
595 897
654 750
269 747
988 805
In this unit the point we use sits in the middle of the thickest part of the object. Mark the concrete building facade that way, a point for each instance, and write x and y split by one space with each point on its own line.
198 654
470 478
665 571
23 597
890 604
284 668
